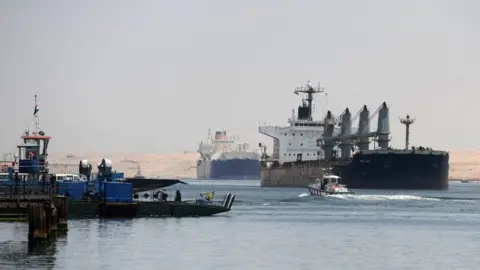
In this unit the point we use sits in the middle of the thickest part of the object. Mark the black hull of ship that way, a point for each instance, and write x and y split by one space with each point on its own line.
407 171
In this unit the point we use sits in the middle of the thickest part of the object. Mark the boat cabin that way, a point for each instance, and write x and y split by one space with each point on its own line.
328 180
331 179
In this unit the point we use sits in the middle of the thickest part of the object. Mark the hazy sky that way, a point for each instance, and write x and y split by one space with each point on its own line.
153 76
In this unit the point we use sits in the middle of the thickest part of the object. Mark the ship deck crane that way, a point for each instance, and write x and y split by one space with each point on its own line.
337 121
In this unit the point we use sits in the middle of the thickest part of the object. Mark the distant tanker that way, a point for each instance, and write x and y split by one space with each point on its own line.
223 159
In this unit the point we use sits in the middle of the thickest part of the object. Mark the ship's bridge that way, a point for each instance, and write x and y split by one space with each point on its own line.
305 123
297 141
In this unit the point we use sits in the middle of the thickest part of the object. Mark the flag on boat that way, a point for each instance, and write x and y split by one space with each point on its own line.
35 110
207 195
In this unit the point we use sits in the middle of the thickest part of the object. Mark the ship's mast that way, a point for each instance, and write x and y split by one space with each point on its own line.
309 90
139 172
36 119
407 121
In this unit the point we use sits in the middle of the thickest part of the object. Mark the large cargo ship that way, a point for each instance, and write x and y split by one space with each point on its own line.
221 158
303 151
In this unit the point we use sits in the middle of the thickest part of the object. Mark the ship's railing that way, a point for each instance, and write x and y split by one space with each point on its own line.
66 169
59 168
24 186
404 151
63 168
269 130
311 163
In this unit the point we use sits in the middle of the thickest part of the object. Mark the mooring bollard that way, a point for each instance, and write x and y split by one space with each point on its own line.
37 225
61 203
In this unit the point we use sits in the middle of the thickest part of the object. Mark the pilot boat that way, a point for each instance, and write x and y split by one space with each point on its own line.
329 185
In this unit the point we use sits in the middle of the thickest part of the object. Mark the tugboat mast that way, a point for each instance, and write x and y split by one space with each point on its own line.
309 90
407 121
36 119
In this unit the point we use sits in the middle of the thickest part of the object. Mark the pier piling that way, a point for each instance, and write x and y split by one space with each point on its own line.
61 203
51 220
45 220
37 225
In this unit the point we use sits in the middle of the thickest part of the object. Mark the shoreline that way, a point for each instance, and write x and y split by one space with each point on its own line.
464 164
468 180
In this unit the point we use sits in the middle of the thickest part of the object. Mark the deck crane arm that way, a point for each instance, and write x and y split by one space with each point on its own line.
375 113
355 117
332 120
340 117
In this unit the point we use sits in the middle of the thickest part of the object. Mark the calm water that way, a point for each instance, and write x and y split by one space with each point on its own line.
272 228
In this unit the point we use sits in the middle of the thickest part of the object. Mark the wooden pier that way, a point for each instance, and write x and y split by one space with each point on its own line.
45 211
47 220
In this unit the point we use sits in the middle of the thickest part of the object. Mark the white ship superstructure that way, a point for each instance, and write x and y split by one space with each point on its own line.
298 141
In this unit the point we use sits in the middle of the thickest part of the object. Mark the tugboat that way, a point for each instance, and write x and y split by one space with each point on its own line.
330 185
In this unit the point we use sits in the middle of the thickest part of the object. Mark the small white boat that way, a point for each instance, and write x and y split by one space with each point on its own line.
329 185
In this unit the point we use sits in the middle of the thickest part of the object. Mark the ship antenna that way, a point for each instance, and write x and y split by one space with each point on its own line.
139 172
407 121
36 119
309 90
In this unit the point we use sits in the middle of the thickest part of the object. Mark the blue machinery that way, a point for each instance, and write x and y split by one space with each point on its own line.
31 176
107 186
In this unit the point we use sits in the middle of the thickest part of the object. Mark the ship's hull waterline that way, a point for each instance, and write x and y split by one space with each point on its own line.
371 171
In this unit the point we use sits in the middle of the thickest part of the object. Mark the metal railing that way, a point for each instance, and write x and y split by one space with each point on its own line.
63 168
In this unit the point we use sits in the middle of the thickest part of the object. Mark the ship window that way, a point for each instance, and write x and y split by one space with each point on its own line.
301 144
285 134
293 134
289 144
301 134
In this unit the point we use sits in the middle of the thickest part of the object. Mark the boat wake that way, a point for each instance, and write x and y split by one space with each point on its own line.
384 197
398 197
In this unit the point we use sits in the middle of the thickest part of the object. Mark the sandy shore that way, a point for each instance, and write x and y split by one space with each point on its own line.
463 164
181 165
